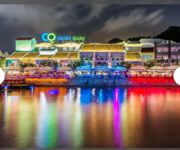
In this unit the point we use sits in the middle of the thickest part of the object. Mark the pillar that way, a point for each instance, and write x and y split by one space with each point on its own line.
169 52
94 59
109 60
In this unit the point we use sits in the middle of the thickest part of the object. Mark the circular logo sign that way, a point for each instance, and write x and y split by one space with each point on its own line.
177 76
49 37
2 76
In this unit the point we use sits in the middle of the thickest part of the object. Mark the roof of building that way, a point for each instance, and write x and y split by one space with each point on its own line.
24 38
36 55
45 45
133 57
102 48
45 56
66 55
17 55
6 54
31 55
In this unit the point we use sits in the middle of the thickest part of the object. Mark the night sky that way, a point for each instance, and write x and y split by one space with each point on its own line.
98 22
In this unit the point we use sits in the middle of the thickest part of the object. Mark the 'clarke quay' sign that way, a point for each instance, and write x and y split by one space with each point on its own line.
52 37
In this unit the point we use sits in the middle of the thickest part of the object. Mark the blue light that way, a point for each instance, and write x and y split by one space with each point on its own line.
31 88
53 92
64 38
121 95
6 86
44 37
86 96
100 96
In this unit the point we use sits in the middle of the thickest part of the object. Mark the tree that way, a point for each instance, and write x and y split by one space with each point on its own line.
128 65
172 33
2 62
115 40
137 38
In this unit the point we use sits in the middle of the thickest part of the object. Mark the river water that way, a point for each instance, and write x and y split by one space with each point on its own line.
46 117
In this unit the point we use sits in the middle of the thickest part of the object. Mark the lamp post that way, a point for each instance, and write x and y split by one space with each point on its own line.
169 51
2 76
155 52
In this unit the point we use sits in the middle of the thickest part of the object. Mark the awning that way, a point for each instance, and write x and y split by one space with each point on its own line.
102 68
119 68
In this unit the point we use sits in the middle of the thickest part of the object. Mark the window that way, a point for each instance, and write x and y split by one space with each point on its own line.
173 57
174 49
148 49
159 57
165 56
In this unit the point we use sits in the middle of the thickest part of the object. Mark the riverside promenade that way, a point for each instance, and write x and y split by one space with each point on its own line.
92 81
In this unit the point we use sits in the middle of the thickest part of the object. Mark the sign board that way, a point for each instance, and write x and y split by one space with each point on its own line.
50 51
52 38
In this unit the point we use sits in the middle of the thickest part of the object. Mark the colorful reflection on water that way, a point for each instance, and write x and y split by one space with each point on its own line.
46 117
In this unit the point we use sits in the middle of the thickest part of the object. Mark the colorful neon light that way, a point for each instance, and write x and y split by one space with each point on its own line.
52 37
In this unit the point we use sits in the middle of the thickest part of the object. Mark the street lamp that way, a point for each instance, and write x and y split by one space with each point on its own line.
2 76
177 76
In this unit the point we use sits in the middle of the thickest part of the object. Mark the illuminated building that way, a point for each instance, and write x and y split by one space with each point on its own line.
133 52
168 53
67 49
153 41
45 51
25 44
147 52
108 55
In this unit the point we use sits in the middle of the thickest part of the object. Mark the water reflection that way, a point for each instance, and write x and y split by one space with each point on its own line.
90 117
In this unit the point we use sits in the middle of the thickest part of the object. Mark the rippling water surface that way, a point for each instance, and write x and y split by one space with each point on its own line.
46 117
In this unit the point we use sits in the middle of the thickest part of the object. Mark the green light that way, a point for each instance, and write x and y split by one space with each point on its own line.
51 37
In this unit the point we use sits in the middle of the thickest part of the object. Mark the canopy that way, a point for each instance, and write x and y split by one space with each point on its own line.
102 68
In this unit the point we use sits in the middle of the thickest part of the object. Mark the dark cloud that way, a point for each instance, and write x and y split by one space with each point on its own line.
99 23
125 2
82 11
